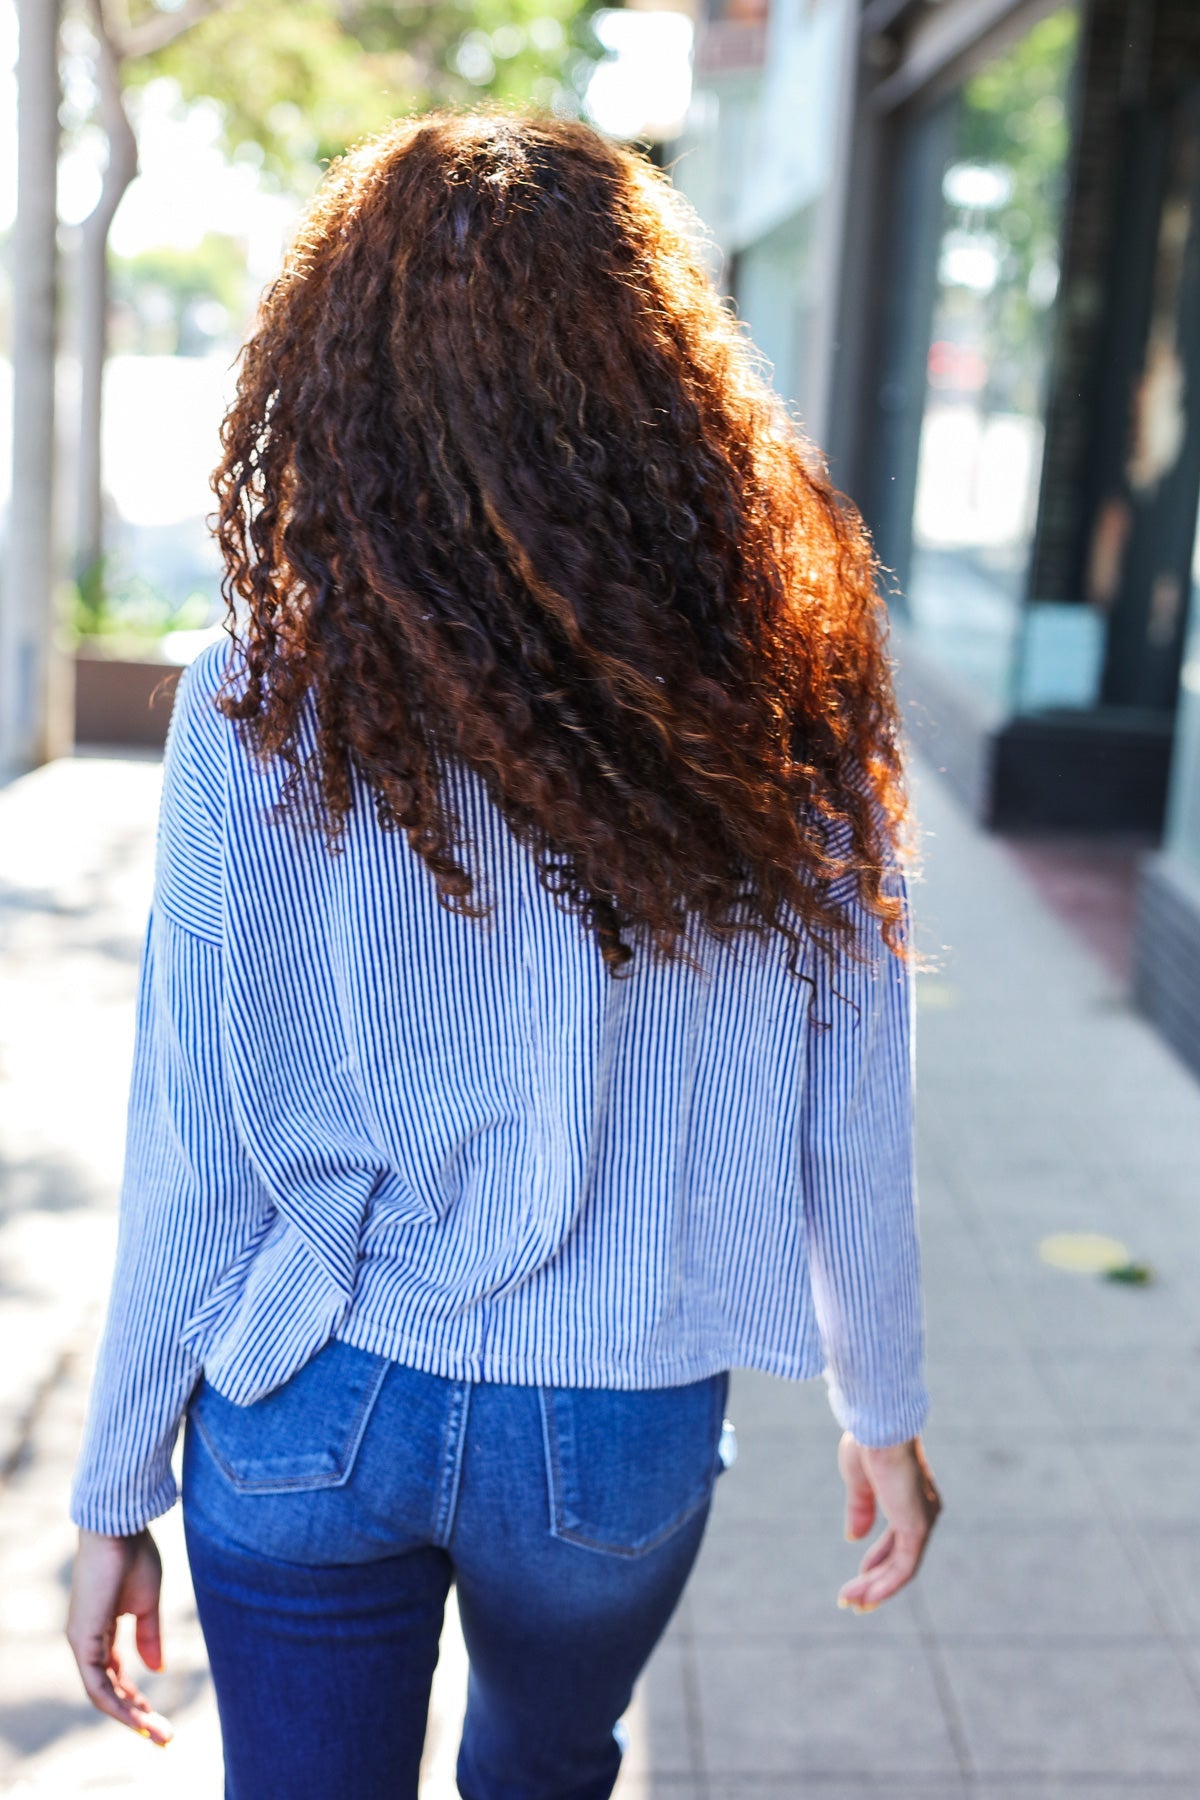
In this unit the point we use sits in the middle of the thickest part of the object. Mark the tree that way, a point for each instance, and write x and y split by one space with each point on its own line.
297 81
32 698
120 41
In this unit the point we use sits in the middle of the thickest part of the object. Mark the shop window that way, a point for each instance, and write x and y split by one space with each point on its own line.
1003 181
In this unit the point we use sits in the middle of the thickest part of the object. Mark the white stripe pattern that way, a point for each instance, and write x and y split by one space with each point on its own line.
466 1147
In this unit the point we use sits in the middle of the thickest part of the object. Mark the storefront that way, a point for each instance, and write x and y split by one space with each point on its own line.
979 283
1020 386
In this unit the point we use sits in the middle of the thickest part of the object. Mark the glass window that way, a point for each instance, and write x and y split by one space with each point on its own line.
979 463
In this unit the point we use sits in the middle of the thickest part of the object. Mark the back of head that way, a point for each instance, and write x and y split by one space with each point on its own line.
502 484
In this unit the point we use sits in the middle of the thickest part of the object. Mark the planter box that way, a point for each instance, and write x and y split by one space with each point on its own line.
123 703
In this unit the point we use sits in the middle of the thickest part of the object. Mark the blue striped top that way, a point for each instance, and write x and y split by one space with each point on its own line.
466 1146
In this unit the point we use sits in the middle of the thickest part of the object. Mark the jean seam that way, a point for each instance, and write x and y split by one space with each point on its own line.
550 1446
454 1439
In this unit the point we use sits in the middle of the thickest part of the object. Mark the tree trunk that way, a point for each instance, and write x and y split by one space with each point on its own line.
34 668
92 300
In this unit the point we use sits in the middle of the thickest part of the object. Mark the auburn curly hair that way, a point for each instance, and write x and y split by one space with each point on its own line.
502 483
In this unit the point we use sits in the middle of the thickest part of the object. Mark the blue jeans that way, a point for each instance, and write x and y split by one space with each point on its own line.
326 1522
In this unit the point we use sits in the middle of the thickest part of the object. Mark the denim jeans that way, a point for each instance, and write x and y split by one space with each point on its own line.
326 1522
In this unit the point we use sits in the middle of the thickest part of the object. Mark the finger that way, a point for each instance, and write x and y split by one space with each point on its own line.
860 1512
860 1496
109 1694
148 1637
879 1552
867 1592
148 1722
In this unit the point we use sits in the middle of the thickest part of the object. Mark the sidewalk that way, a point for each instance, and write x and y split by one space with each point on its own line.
1052 1644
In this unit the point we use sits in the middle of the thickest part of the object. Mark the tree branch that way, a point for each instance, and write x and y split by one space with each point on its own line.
161 29
122 143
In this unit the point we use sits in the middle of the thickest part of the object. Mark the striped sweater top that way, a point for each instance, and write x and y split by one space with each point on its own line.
466 1146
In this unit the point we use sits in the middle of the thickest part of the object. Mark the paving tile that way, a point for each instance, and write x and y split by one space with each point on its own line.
1016 1220
679 1625
939 1200
660 1737
781 1475
974 1389
1135 1388
1055 1311
1151 1479
945 1213
930 1787
772 1580
1139 1788
633 1784
1033 1581
826 1710
991 1164
964 1316
1173 1552
1080 1712
800 1408
953 1249
1008 1477
1162 1170
1017 1226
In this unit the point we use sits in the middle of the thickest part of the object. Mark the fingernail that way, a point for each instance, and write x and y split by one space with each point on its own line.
870 1608
142 1732
842 1602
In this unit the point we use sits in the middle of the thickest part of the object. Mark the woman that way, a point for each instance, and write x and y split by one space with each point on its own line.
524 1034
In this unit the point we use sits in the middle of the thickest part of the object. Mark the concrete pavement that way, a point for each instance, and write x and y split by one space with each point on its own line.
1051 1646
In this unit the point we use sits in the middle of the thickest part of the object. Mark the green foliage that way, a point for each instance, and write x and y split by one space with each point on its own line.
297 81
215 267
1015 114
161 288
292 86
117 608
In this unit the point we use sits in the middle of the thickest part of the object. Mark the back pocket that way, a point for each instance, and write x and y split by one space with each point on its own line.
304 1435
627 1469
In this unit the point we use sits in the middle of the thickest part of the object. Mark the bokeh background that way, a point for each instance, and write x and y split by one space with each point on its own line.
965 234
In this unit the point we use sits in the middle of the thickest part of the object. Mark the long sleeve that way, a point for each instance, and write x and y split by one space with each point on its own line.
189 1198
860 1195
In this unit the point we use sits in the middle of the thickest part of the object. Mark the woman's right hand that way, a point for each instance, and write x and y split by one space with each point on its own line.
898 1482
115 1575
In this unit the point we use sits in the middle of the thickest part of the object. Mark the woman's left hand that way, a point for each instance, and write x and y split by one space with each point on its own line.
897 1481
115 1575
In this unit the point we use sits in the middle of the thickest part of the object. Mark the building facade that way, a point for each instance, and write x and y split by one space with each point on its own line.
967 235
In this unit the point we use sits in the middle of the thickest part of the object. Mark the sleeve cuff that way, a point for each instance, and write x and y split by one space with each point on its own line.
880 1425
122 1516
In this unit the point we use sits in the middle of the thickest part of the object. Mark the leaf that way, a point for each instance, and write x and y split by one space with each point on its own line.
1133 1274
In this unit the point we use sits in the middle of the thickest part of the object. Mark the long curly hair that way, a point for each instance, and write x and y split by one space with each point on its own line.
503 485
